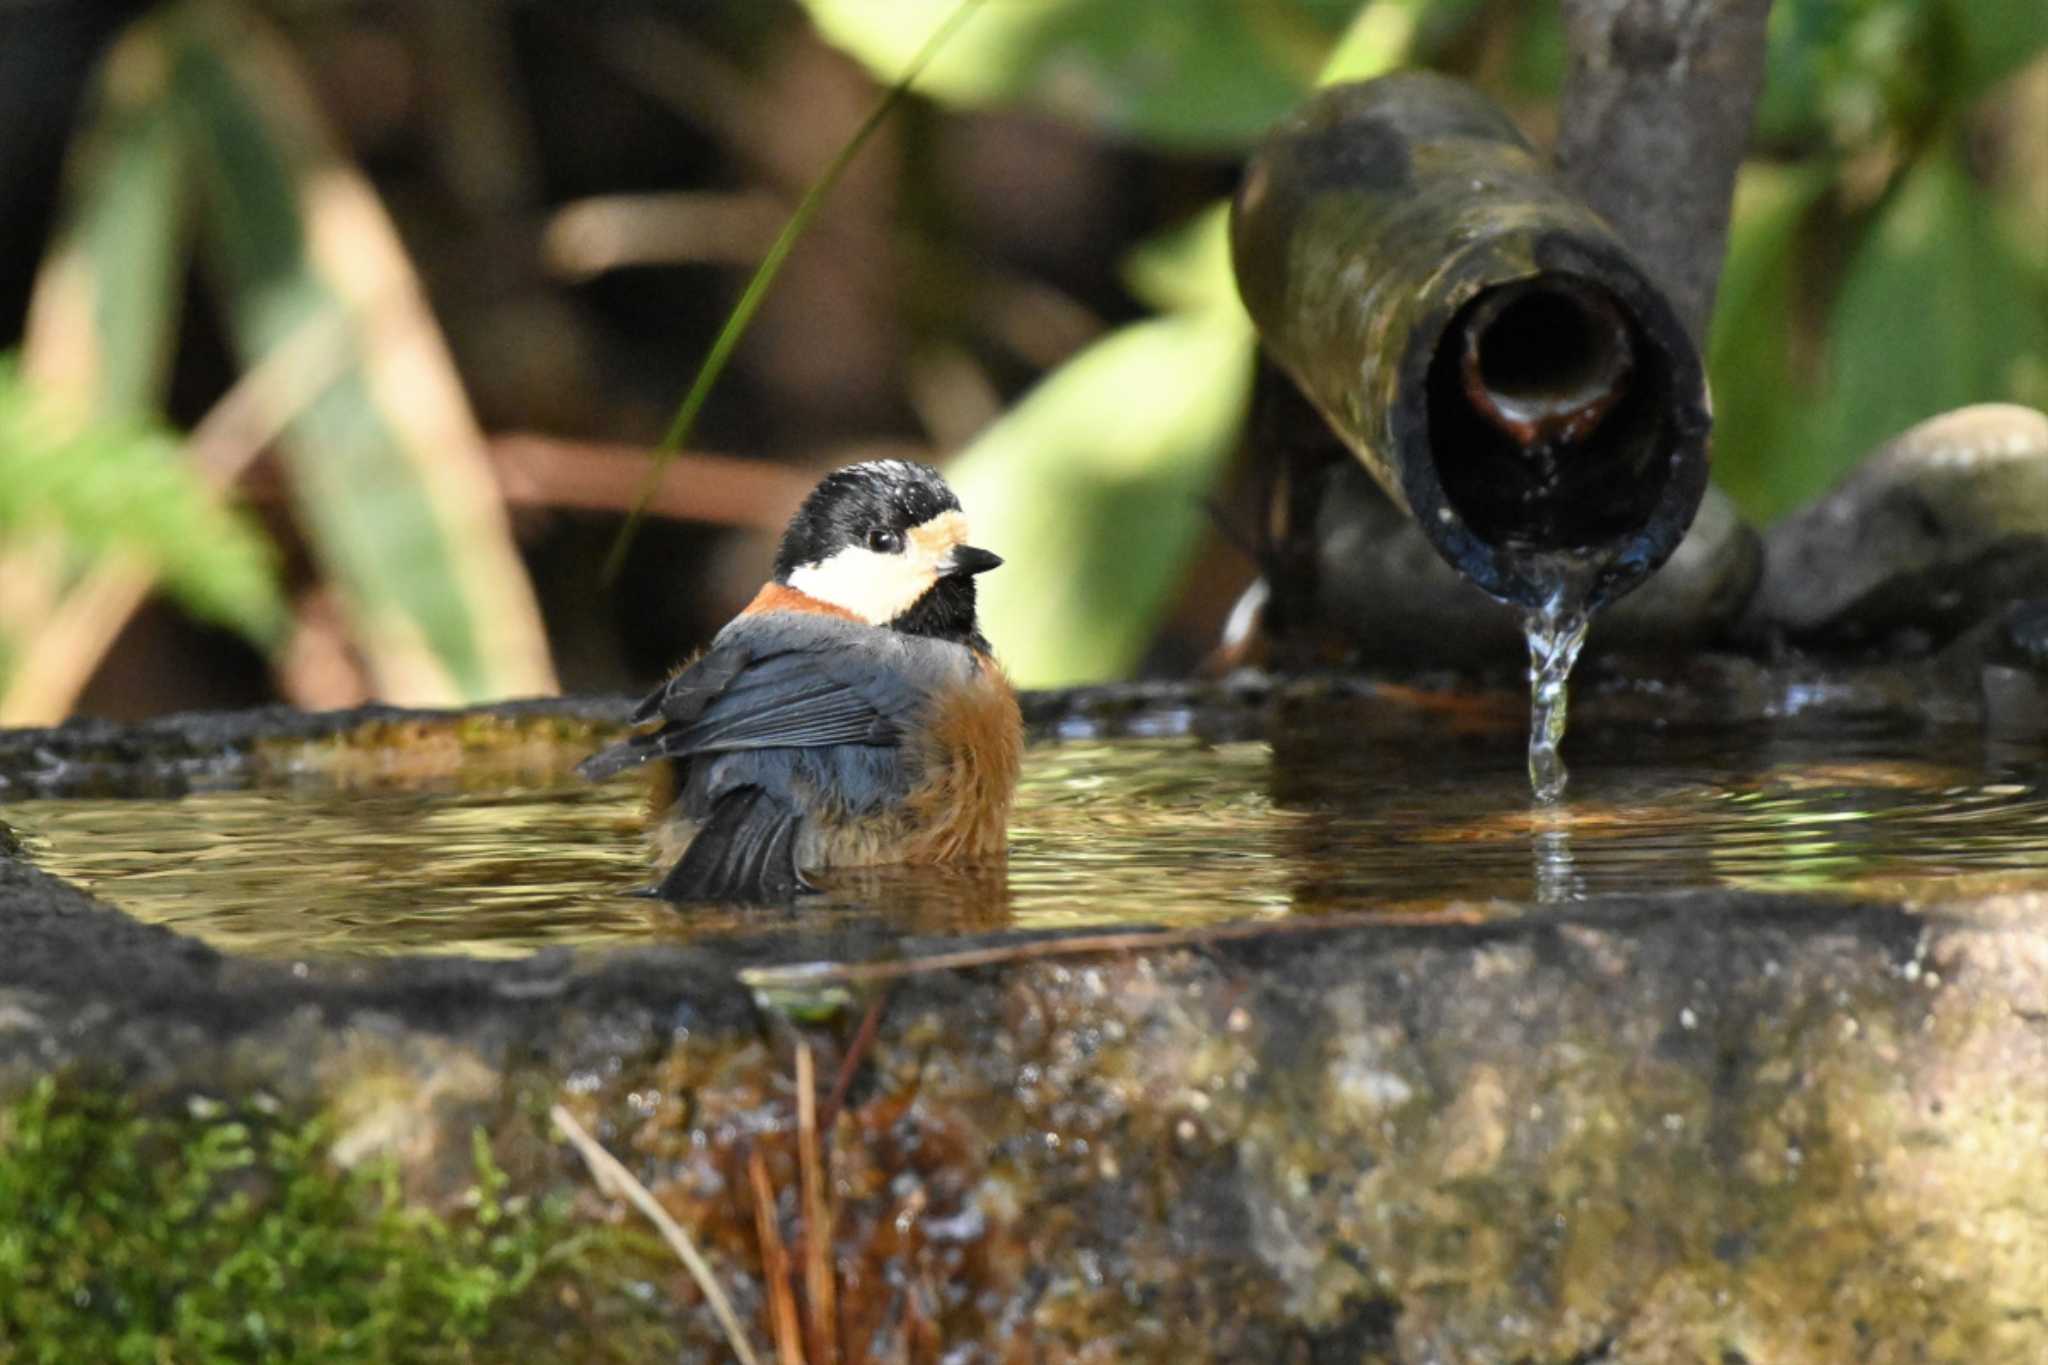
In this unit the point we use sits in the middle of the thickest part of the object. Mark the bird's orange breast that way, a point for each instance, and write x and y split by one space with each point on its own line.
972 748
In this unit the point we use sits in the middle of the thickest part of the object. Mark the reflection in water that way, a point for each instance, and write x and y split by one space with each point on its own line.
1171 832
1557 879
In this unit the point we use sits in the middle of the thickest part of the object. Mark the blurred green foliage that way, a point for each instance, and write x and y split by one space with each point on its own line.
130 1238
1098 478
1878 271
1883 264
1187 74
1888 259
366 456
124 486
201 140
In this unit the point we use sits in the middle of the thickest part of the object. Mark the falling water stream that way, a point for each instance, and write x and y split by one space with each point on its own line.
1556 632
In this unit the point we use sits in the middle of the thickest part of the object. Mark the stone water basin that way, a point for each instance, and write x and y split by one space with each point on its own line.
1293 1030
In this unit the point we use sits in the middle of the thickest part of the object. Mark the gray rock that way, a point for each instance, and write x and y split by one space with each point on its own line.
2022 637
2015 674
1699 591
1932 534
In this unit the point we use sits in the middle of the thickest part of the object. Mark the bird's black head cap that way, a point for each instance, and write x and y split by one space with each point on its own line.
850 506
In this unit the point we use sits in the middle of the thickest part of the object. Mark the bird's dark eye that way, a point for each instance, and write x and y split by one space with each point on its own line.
885 542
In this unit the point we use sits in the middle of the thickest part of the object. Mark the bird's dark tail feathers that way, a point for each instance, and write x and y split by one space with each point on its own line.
746 851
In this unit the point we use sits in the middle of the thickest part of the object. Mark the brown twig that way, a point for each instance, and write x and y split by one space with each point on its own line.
721 489
819 1296
607 232
318 668
849 1066
775 1268
615 1178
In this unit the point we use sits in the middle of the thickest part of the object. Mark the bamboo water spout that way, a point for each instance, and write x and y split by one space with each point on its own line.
1480 339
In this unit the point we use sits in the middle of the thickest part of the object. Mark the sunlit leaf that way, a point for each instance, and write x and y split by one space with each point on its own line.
387 467
1934 312
1190 73
124 486
1092 488
1187 267
1382 34
1761 412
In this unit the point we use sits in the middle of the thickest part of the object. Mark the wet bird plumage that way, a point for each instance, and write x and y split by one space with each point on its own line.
810 735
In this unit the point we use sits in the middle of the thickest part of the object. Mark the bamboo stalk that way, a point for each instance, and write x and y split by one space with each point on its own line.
1658 101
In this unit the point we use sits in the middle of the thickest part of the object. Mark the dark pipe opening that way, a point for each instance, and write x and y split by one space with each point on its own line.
1545 360
1546 409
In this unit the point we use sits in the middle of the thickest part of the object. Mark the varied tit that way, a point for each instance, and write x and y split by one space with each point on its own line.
850 715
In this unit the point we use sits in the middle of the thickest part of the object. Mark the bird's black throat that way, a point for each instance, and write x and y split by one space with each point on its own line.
945 612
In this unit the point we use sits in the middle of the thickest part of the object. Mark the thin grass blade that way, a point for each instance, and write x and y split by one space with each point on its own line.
742 314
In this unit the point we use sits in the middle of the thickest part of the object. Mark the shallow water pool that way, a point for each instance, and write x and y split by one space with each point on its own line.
1167 832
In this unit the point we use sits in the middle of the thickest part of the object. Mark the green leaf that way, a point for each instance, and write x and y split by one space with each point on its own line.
1187 267
104 316
1761 411
1185 73
1935 312
1539 57
387 466
1848 71
1993 39
1092 488
126 487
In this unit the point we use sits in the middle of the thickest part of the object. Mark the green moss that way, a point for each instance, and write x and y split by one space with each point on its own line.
218 1236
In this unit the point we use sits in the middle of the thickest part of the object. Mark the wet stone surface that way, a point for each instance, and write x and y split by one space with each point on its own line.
1933 533
1668 1129
1691 1127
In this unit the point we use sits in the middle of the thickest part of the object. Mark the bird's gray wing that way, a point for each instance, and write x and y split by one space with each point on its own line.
788 681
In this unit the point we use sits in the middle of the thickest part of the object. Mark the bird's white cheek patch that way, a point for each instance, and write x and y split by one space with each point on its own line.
879 588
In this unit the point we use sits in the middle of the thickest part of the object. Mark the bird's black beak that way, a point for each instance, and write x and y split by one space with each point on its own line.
968 561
